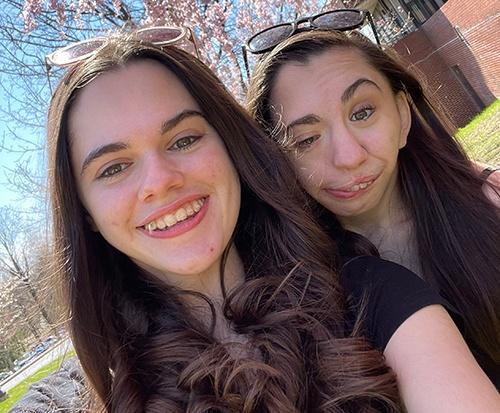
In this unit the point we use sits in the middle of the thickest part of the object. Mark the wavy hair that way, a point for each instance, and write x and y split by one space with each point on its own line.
457 228
142 349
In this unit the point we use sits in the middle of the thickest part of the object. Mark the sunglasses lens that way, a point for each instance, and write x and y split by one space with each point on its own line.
75 52
270 37
339 20
160 35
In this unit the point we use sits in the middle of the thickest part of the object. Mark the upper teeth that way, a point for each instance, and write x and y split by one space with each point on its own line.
181 214
357 187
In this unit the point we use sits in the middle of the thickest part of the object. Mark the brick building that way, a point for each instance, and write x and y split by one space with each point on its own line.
456 45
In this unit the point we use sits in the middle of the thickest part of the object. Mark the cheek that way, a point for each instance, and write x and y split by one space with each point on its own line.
220 171
111 209
381 142
310 172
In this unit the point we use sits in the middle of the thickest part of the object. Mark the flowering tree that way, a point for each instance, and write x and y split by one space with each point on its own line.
220 26
27 309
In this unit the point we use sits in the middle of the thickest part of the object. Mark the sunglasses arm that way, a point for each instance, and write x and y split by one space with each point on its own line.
245 60
372 24
195 42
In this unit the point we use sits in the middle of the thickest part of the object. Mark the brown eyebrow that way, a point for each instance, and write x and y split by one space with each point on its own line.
119 146
348 93
100 151
350 90
172 123
304 120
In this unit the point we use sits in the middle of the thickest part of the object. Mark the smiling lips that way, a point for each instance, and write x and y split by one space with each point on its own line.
167 221
353 190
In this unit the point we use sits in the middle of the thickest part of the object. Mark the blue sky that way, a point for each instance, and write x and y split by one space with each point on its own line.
33 87
10 154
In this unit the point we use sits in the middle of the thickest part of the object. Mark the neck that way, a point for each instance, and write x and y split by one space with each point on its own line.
389 227
387 215
209 285
208 282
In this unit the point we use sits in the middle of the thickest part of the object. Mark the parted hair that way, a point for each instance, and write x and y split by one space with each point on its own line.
141 348
457 227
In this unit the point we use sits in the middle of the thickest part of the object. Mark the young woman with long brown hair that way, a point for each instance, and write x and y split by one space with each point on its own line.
196 279
368 144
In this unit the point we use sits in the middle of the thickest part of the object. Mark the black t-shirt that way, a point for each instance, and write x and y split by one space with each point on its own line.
391 293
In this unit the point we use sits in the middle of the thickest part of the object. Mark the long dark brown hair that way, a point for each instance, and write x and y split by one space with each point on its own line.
457 228
139 345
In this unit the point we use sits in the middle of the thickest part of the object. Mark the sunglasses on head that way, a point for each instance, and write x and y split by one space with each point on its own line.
85 49
340 19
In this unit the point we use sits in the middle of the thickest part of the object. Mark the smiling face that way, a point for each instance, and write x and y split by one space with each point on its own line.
347 127
154 176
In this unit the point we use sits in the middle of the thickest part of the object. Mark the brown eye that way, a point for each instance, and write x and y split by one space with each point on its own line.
113 170
307 142
362 114
184 143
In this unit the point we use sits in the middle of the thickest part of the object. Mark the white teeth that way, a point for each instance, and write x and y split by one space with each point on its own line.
160 223
170 220
197 205
357 187
151 226
181 214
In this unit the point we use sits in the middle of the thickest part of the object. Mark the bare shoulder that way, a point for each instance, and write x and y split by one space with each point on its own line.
491 187
435 370
494 177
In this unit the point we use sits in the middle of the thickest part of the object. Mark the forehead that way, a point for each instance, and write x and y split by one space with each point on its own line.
129 97
124 105
301 87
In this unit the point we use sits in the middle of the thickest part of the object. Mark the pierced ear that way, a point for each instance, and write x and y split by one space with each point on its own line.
404 116
91 222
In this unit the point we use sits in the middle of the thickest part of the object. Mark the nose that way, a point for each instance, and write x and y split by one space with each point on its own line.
159 176
347 152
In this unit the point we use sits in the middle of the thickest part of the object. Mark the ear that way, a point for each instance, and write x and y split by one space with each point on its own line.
404 116
91 222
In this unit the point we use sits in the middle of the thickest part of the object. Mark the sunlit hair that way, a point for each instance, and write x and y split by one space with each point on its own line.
457 228
139 345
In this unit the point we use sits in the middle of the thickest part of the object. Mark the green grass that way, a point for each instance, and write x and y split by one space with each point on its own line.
18 391
481 137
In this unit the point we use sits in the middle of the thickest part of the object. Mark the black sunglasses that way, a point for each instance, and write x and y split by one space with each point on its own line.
340 19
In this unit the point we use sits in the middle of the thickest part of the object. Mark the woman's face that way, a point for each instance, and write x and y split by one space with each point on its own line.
347 127
154 176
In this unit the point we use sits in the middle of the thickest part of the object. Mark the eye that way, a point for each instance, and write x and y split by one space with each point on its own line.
113 170
362 114
184 143
307 142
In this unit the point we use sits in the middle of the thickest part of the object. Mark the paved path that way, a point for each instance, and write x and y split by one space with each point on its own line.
48 356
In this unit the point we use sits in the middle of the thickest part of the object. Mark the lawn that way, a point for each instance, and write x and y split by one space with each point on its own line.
17 392
481 137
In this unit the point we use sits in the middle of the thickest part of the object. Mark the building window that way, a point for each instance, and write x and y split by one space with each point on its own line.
468 87
420 10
